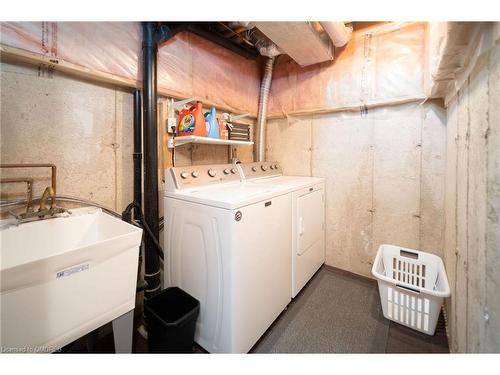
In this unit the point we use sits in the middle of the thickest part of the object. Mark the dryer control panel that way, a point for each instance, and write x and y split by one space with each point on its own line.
201 175
261 169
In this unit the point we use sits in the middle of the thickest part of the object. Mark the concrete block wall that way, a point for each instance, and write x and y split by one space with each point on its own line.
83 128
472 235
384 175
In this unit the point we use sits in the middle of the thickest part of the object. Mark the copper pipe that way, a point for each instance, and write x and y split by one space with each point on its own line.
47 165
29 190
65 198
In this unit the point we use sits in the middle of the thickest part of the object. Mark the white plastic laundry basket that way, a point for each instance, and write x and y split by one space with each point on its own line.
412 285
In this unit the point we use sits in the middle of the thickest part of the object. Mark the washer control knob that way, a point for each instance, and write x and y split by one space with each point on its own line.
195 174
276 166
226 171
263 167
233 170
212 172
271 166
254 169
184 175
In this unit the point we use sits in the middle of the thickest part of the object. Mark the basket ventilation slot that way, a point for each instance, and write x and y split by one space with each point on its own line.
408 272
412 311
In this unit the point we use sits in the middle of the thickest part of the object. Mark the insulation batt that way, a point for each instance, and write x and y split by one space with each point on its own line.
379 65
188 66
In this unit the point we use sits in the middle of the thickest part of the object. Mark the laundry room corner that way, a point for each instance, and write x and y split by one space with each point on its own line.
249 187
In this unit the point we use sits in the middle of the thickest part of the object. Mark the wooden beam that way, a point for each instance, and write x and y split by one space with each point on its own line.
17 55
13 54
348 108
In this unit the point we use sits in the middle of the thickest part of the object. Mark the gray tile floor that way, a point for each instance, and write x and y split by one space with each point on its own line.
336 312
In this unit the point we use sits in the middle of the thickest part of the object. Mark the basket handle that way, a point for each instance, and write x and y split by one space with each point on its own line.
408 254
408 289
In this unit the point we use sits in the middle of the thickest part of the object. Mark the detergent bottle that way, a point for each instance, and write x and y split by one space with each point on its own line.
212 124
192 121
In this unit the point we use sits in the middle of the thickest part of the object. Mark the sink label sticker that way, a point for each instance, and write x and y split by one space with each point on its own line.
72 270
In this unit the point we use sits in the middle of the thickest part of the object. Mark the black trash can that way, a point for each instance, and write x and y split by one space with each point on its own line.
171 320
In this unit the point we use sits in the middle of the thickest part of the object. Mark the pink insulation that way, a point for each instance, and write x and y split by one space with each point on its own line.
193 66
188 66
30 36
380 64
110 47
377 65
175 66
224 77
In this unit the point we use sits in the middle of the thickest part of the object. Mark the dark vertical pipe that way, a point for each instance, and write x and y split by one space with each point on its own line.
137 147
152 263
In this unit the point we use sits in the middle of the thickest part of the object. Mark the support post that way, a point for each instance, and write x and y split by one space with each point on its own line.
149 52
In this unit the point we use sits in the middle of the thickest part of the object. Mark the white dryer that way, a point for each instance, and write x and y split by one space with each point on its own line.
228 243
308 217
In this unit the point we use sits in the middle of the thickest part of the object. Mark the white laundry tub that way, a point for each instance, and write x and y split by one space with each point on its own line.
64 277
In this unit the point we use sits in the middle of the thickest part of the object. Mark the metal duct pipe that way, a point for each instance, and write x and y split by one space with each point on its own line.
265 46
149 52
338 32
260 133
137 148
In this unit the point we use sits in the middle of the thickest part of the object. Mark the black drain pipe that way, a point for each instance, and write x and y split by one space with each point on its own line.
152 262
153 35
137 147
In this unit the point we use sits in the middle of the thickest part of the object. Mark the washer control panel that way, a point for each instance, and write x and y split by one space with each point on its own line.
261 169
202 175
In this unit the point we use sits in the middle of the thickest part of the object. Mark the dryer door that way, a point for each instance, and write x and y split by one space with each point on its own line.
310 220
309 236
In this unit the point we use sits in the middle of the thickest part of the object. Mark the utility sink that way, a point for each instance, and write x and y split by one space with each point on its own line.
62 278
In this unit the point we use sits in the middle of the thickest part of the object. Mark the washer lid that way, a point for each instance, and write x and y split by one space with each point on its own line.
288 183
228 196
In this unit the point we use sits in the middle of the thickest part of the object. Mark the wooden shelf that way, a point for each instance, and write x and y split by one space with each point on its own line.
179 141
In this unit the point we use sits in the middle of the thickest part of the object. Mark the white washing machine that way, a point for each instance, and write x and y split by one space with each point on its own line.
308 217
228 244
